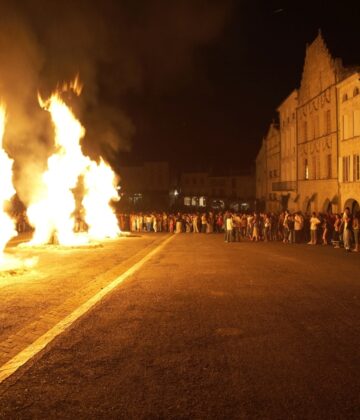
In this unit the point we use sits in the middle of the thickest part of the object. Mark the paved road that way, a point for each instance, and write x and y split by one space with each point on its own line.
208 329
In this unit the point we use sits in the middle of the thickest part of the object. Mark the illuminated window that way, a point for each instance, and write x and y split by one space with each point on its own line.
306 166
346 168
187 201
356 167
329 168
346 127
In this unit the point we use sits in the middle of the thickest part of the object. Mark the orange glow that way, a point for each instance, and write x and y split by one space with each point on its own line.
52 214
7 225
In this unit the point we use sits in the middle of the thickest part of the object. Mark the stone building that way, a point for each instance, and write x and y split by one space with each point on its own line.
261 178
317 130
272 147
217 190
349 141
287 187
145 186
319 163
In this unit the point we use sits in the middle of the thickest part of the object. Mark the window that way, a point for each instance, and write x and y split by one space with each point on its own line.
346 168
305 131
327 122
356 91
345 97
357 122
328 166
316 126
346 128
313 169
356 167
306 167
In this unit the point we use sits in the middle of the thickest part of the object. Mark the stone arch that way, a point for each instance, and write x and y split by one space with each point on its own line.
306 206
327 206
353 205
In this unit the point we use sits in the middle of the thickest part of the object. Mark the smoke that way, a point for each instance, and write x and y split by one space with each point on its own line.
117 48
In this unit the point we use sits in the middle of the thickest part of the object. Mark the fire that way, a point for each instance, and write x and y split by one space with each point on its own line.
100 183
7 225
53 214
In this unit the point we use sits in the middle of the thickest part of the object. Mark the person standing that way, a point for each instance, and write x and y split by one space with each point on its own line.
203 223
314 222
347 229
298 226
229 228
356 227
237 227
291 228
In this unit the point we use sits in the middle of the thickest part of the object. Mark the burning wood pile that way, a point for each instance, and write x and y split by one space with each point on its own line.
52 212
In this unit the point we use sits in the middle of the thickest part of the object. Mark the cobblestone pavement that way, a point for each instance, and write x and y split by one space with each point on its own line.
205 329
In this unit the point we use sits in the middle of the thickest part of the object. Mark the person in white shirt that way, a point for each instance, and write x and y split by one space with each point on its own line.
347 229
299 225
229 228
314 222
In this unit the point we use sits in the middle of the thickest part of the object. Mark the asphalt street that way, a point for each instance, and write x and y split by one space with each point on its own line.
205 329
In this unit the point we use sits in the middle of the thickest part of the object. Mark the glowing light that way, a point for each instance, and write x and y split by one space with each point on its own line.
100 182
52 214
7 225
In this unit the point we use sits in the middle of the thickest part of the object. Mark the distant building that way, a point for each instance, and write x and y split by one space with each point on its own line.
217 190
146 186
261 178
272 143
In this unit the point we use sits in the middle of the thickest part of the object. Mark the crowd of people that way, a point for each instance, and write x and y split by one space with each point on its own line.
338 230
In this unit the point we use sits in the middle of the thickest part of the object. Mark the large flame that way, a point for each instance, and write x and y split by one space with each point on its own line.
7 225
53 215
100 183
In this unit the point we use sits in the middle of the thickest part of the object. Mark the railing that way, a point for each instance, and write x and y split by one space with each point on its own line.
284 186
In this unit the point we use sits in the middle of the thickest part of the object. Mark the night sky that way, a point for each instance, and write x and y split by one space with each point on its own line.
219 116
195 82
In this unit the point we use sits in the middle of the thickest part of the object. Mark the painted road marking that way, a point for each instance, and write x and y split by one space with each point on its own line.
33 349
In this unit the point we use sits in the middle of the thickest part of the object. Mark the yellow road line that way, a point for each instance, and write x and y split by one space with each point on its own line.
33 349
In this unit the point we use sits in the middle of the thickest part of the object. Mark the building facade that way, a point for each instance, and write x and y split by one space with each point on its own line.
146 186
349 141
272 143
287 187
215 190
319 138
317 130
261 178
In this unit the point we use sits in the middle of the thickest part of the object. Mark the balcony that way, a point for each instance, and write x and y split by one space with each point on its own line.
284 186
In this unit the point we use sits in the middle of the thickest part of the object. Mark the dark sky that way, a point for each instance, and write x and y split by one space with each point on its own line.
219 116
195 82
